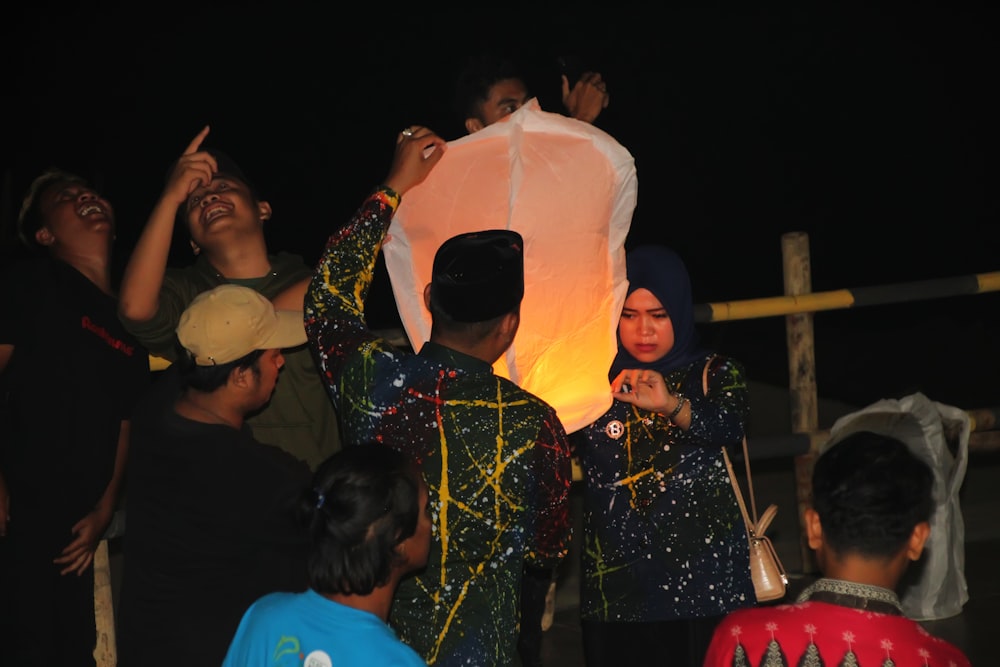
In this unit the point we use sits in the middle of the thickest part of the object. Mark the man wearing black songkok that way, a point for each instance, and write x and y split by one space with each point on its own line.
495 457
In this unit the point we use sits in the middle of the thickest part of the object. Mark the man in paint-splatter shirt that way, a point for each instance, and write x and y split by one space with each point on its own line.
496 458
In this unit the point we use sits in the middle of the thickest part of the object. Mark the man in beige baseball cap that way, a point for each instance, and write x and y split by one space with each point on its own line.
230 321
232 338
210 520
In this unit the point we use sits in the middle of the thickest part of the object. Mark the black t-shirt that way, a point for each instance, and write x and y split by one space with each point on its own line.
72 379
210 528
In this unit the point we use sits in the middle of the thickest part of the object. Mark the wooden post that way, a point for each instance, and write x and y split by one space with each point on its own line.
106 651
803 397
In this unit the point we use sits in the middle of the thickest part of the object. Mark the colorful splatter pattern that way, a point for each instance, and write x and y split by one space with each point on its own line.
663 535
495 457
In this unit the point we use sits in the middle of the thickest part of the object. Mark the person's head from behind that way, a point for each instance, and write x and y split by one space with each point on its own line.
368 519
477 283
61 212
233 337
488 89
657 317
872 499
223 209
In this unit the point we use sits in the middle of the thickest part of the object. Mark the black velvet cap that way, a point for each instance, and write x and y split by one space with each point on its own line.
479 275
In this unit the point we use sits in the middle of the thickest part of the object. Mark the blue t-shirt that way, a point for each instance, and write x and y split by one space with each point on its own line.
308 630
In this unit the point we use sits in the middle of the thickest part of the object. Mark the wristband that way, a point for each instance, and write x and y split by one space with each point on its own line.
680 406
387 196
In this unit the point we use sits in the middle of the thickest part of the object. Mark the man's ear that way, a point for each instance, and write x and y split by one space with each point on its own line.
264 209
427 297
509 325
918 538
473 125
814 529
45 237
238 377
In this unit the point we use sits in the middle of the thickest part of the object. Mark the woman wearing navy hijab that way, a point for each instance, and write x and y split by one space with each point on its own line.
665 553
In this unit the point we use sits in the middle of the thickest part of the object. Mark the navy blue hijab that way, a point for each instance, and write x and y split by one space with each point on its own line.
662 272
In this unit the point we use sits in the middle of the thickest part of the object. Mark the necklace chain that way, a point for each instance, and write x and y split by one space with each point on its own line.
219 418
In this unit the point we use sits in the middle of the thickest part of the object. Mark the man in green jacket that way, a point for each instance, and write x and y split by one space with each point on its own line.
225 218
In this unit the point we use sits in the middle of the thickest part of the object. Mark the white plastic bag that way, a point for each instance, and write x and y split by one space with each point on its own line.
934 587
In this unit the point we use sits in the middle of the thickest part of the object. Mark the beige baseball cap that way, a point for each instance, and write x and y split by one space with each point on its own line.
231 321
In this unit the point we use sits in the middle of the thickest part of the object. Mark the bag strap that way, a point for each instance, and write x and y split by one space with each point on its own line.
751 525
746 459
765 519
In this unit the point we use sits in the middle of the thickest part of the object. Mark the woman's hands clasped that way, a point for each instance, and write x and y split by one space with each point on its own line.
643 388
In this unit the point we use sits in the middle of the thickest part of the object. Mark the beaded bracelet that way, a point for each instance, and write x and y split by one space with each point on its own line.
680 406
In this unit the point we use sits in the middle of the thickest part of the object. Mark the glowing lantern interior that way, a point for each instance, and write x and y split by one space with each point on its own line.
570 190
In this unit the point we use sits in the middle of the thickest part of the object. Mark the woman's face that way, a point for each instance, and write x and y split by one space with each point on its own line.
645 329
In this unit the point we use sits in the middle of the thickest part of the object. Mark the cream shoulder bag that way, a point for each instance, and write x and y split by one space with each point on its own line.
769 578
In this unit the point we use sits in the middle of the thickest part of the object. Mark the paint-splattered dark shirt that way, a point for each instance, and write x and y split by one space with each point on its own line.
663 534
495 457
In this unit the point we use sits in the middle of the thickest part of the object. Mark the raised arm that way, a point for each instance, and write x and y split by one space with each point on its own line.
588 97
138 300
293 296
347 254
334 305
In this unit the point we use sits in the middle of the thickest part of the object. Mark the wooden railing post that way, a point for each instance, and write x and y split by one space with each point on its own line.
106 651
803 397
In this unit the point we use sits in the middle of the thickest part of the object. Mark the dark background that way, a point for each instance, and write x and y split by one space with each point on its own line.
871 129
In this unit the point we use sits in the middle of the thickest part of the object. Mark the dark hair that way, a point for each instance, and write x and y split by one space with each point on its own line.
870 491
363 502
210 378
471 332
29 219
481 72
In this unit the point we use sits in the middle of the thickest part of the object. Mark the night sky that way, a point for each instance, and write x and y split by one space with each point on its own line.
873 130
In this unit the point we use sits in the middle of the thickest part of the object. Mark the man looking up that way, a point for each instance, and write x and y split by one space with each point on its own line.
69 377
490 88
210 196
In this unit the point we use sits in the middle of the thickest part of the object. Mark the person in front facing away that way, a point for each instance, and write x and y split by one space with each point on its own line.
495 457
217 206
665 553
870 514
211 522
369 526
69 375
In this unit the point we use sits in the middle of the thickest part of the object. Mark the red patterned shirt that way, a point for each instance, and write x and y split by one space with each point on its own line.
811 632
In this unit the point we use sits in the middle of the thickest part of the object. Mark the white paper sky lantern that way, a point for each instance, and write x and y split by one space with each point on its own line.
570 190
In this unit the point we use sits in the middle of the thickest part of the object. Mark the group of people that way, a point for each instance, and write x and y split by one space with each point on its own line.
300 491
